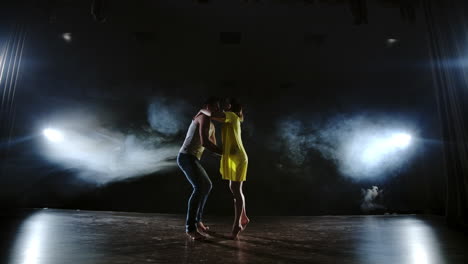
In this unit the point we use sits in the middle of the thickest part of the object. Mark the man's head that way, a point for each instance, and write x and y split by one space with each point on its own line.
212 104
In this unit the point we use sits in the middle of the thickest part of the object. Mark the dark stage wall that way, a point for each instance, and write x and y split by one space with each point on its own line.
289 63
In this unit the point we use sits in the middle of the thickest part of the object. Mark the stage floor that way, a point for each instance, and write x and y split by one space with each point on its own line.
65 236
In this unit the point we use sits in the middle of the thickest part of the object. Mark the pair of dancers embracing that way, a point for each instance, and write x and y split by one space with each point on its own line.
233 165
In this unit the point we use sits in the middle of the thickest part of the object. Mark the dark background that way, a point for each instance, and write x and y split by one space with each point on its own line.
280 58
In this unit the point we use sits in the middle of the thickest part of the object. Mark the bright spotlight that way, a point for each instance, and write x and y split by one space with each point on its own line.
378 149
53 135
400 140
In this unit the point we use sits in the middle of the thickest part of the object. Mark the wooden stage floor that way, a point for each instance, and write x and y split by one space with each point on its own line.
66 236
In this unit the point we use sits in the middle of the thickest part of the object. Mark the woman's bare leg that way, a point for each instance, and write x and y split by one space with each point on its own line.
239 206
244 219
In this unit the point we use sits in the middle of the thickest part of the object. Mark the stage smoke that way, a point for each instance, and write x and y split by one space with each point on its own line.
295 140
369 198
98 153
168 117
363 147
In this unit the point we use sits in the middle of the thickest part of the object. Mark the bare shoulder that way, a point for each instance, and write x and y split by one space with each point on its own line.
202 119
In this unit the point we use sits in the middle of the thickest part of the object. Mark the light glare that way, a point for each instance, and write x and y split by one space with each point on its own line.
378 149
53 135
400 140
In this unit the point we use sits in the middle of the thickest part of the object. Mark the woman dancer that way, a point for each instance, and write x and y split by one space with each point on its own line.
234 159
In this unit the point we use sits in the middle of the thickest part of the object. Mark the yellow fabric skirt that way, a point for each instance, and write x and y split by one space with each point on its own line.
234 161
234 166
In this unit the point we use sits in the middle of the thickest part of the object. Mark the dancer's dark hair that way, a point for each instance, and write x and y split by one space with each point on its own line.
236 107
210 101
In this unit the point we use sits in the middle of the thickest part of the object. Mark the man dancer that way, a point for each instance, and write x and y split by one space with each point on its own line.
200 135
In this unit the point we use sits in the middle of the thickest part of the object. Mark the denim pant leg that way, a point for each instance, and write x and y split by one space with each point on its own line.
206 186
201 184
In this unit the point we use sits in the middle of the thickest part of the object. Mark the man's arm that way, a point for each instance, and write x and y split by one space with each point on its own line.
204 126
218 116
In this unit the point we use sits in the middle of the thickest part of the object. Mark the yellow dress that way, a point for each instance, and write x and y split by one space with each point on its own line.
234 160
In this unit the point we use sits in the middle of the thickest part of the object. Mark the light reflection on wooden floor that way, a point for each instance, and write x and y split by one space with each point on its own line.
63 236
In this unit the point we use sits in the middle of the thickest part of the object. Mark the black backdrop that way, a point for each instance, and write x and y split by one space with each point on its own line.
309 61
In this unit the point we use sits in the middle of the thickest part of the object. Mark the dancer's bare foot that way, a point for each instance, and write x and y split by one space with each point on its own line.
202 227
235 232
195 235
244 222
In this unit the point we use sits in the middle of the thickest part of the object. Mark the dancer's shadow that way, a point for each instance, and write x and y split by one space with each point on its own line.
266 242
218 235
306 246
271 249
248 254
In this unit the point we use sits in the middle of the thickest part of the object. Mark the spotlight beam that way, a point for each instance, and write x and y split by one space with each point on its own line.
53 135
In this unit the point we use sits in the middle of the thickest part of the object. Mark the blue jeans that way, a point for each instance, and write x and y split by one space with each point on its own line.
201 184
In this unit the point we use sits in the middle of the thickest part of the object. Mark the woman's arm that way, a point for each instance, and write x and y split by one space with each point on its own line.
205 112
241 116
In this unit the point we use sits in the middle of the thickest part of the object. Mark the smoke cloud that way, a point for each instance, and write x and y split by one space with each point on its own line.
359 145
101 153
167 117
369 198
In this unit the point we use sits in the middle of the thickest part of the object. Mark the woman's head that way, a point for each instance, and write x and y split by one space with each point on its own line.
231 104
236 107
226 104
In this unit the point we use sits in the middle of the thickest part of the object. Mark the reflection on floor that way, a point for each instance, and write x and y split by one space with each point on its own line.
62 236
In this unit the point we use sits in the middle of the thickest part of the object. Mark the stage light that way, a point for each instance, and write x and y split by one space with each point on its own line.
100 155
67 37
98 10
53 135
392 42
400 140
379 148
